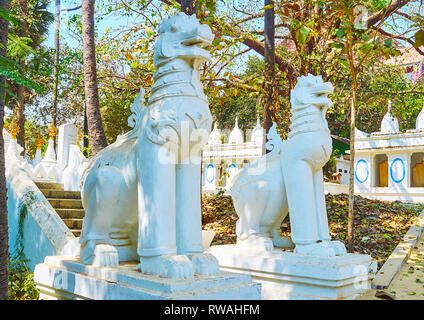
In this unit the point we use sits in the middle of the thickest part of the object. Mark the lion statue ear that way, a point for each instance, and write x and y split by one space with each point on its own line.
163 49
296 97
296 94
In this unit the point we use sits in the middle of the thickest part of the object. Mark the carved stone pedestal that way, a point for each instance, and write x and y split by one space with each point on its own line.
67 278
286 275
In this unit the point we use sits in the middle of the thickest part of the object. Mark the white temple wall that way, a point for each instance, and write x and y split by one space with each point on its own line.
363 173
210 173
399 174
343 167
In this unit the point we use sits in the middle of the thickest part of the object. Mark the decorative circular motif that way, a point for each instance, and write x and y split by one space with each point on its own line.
210 173
397 170
361 171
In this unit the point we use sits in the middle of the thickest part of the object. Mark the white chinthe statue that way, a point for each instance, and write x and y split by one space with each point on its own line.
290 179
142 193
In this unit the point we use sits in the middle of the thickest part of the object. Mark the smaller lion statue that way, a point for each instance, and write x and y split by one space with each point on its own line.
289 180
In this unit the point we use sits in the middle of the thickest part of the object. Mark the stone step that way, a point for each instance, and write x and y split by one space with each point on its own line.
76 233
73 224
65 203
61 194
49 185
71 213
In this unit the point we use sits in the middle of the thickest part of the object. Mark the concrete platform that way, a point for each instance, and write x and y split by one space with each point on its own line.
286 275
67 278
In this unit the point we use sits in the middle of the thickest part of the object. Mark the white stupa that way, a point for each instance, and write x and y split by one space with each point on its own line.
236 136
215 137
257 134
389 124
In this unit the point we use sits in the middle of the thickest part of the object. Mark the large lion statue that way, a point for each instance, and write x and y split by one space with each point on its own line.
289 179
142 193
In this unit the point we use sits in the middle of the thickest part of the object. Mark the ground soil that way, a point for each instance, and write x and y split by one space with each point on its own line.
408 284
378 225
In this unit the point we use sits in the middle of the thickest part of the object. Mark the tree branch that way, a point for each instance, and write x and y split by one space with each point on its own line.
403 14
384 13
277 25
235 84
72 9
385 33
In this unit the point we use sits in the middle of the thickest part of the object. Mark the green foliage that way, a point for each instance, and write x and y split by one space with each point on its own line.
377 83
419 38
31 131
330 166
244 106
375 88
27 200
21 67
18 47
11 70
21 283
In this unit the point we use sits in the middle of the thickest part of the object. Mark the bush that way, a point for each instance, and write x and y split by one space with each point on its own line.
21 283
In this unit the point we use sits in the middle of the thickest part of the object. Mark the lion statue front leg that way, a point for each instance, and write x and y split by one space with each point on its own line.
305 155
189 219
170 236
157 245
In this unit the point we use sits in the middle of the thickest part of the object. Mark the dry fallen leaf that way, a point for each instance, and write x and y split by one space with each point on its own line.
378 225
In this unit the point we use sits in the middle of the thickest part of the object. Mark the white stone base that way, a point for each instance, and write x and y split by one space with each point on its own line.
286 275
63 277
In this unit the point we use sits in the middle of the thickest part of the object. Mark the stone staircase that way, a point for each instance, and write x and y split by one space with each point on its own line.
67 204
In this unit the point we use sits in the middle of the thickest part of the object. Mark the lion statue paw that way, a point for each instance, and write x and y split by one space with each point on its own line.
100 255
321 249
256 242
204 264
177 267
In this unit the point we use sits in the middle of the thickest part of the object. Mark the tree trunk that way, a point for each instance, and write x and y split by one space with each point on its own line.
56 59
189 7
20 138
4 232
20 116
85 139
95 126
354 72
352 163
268 99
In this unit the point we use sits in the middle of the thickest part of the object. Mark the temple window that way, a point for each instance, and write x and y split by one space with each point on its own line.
381 171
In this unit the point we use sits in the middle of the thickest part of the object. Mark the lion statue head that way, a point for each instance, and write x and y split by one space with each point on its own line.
311 90
182 36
